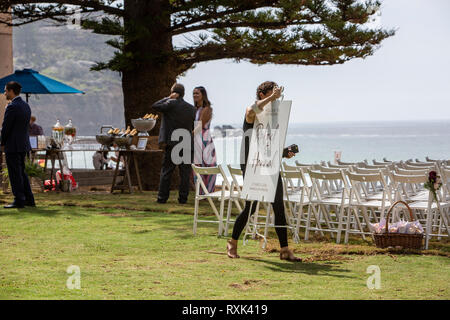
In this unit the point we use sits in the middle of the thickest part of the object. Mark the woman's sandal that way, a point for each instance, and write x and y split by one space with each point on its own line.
289 256
232 250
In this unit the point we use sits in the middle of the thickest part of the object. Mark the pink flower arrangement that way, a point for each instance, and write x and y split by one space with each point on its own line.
433 184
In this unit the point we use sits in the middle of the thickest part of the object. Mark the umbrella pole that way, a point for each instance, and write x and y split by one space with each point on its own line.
27 95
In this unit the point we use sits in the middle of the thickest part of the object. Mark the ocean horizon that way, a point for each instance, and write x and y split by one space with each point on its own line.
357 141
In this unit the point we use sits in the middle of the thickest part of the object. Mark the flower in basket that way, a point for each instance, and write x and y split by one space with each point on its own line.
433 184
378 227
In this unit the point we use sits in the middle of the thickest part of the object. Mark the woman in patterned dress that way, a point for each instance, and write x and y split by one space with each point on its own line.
204 150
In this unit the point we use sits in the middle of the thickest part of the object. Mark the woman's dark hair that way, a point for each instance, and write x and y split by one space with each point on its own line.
14 86
264 88
206 102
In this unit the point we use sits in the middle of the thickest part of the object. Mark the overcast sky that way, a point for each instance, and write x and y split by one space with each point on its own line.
408 78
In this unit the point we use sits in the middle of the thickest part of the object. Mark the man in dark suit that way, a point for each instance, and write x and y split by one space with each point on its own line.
15 143
177 114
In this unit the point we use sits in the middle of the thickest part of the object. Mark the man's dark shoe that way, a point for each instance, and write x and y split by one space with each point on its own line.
30 204
182 201
161 201
14 205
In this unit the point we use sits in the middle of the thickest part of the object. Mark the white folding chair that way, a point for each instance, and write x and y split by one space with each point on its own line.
416 167
435 214
338 166
417 163
236 184
236 187
293 184
374 190
417 191
375 162
342 163
220 196
295 202
389 166
411 191
445 177
361 202
303 165
320 201
414 172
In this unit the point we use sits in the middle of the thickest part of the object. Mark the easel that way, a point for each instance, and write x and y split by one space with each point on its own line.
252 226
273 117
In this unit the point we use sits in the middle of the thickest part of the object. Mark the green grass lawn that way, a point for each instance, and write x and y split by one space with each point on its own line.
130 247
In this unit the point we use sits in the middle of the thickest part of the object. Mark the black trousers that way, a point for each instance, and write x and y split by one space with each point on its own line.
278 209
166 176
20 184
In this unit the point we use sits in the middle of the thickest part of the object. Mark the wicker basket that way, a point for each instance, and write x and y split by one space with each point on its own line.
407 241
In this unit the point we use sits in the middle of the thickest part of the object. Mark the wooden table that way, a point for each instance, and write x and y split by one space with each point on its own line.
56 155
53 155
127 155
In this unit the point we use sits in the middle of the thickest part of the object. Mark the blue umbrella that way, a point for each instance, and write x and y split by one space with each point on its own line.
33 82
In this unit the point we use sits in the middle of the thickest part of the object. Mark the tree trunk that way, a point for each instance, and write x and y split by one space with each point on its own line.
141 89
153 70
150 74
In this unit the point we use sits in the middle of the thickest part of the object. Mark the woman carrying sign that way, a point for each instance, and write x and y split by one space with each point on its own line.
266 93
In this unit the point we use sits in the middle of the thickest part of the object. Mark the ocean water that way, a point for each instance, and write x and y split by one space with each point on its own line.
357 141
318 141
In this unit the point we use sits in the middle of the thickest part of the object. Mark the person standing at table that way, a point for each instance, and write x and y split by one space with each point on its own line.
266 93
204 150
35 129
177 114
15 143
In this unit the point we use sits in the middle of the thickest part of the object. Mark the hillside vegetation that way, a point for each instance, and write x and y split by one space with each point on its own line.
67 55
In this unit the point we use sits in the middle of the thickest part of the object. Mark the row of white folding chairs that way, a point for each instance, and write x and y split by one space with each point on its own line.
328 207
416 192
405 189
410 191
297 196
439 211
413 192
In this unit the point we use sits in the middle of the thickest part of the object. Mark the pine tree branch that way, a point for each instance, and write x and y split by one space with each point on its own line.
214 13
245 24
96 5
60 17
107 26
332 45
307 56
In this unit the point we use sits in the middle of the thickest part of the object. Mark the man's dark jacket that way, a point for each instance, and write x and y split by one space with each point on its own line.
15 128
177 114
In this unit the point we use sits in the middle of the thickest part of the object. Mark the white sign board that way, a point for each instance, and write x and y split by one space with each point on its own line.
265 152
